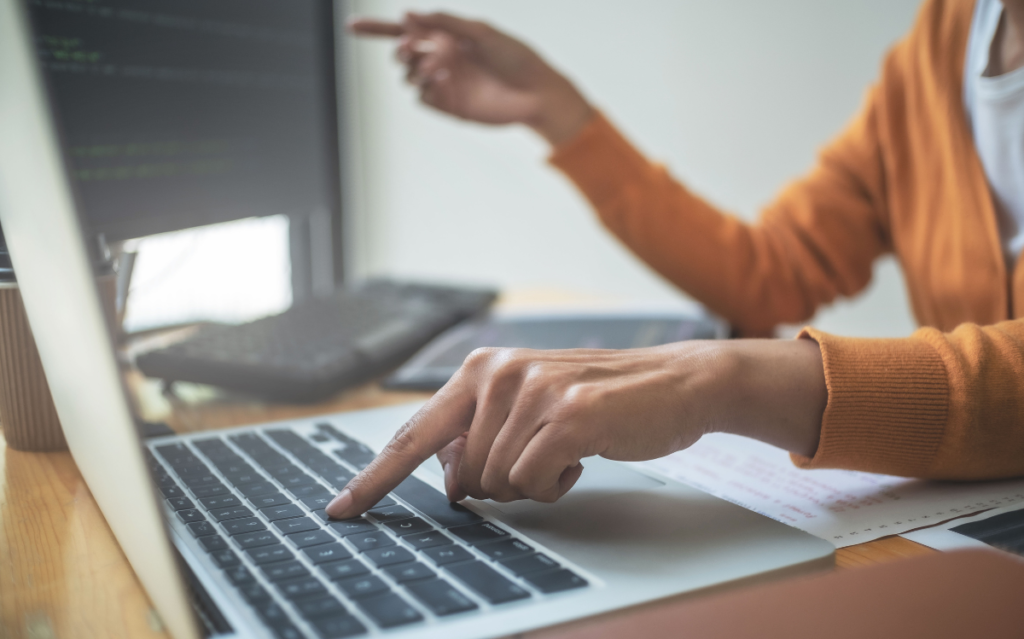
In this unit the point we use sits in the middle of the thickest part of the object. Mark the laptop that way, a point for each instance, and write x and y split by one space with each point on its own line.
226 531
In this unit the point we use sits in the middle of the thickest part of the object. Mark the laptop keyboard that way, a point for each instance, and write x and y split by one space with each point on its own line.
255 503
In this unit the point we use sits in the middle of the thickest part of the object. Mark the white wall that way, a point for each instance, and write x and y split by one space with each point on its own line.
734 95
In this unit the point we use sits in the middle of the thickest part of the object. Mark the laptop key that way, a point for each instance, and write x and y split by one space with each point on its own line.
440 597
236 468
269 499
171 492
220 501
410 572
245 477
364 586
287 630
506 549
481 533
486 582
389 610
209 490
532 563
199 480
343 569
190 516
254 593
289 481
284 511
311 538
301 524
214 543
434 504
257 488
326 553
555 580
370 540
270 554
225 558
409 526
389 513
301 492
202 529
443 555
234 512
320 607
284 570
338 627
389 556
239 575
317 502
273 614
238 526
180 503
255 539
427 540
301 588
345 527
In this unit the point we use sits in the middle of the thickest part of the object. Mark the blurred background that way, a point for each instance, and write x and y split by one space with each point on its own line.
734 96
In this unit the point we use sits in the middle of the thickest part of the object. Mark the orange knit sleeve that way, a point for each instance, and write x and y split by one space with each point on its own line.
816 241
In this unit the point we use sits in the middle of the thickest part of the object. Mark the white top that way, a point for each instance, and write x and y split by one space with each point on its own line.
995 107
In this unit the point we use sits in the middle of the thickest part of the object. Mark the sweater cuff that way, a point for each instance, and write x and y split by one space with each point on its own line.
887 408
600 161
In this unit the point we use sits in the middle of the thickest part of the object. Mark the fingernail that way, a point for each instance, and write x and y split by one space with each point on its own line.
449 476
340 504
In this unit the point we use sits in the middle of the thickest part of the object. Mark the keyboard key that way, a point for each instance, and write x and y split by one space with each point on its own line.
326 553
233 469
254 593
486 582
370 540
212 544
180 503
301 524
220 501
301 492
385 502
311 538
555 580
202 529
440 597
246 525
434 504
191 471
239 575
273 614
320 607
389 513
285 511
290 481
302 588
442 555
235 512
257 488
479 533
171 492
389 610
338 479
270 554
428 540
255 539
190 516
364 586
194 481
209 490
533 563
286 471
343 569
389 556
177 454
506 549
225 558
409 526
243 478
284 570
270 499
345 527
410 572
317 502
287 630
338 627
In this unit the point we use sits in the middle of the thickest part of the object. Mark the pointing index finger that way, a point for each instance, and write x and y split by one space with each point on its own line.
371 27
446 416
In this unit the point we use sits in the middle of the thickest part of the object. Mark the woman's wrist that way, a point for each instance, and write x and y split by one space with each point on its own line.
774 391
561 113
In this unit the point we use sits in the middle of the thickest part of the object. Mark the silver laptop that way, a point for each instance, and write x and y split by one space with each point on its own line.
226 529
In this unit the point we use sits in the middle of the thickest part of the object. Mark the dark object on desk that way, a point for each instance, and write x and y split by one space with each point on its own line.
1005 531
432 367
968 593
315 349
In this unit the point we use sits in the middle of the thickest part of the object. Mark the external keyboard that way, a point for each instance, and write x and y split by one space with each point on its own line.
255 503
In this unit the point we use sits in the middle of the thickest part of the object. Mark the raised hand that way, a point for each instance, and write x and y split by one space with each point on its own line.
470 70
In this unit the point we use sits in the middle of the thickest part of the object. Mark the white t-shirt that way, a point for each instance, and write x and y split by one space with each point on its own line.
995 107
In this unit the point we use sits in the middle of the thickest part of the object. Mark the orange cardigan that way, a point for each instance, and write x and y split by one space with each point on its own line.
903 178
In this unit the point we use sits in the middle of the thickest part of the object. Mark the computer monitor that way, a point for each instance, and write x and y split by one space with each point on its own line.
183 113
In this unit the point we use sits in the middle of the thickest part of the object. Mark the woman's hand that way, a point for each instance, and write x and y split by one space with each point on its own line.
473 71
516 424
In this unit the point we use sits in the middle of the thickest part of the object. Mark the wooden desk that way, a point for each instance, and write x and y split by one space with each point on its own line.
62 574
